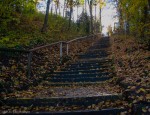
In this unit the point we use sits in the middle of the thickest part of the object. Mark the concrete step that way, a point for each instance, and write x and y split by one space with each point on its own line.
54 101
109 111
99 47
89 64
86 68
80 72
92 57
96 51
81 75
87 79
103 60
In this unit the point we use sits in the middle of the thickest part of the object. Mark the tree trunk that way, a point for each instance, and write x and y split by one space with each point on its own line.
64 8
71 9
91 16
51 9
100 20
56 10
85 6
77 12
44 28
144 20
95 12
59 10
120 19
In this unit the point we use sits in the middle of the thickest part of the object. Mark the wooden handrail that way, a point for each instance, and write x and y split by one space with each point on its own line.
48 45
76 39
65 42
30 52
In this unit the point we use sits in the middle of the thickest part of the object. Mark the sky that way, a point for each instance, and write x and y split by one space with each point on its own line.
108 13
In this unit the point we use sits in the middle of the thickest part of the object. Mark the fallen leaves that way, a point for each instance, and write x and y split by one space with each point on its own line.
131 64
39 91
99 106
14 65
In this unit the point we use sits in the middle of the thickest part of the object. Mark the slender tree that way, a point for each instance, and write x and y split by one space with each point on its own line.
57 6
101 5
51 7
64 8
90 3
70 4
95 4
44 28
85 5
77 3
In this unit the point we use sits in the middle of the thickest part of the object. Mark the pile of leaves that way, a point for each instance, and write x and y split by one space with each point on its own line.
132 66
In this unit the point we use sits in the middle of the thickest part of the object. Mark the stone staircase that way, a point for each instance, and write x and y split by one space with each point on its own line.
91 68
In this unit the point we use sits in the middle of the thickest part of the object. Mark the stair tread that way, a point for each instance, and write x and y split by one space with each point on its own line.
84 71
81 112
80 74
72 83
77 100
81 79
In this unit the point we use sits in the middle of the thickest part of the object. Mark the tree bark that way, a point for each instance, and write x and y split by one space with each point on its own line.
64 12
144 20
77 12
85 6
44 28
51 9
56 10
100 12
70 16
91 15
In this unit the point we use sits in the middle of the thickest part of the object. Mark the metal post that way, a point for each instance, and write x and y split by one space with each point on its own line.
29 65
61 52
67 49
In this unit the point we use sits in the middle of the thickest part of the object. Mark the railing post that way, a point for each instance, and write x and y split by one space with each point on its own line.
61 52
29 64
67 49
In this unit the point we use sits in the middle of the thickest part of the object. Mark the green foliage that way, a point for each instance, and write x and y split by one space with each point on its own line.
27 32
21 24
135 13
12 10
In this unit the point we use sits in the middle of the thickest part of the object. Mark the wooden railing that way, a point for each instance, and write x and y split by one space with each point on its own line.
29 53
